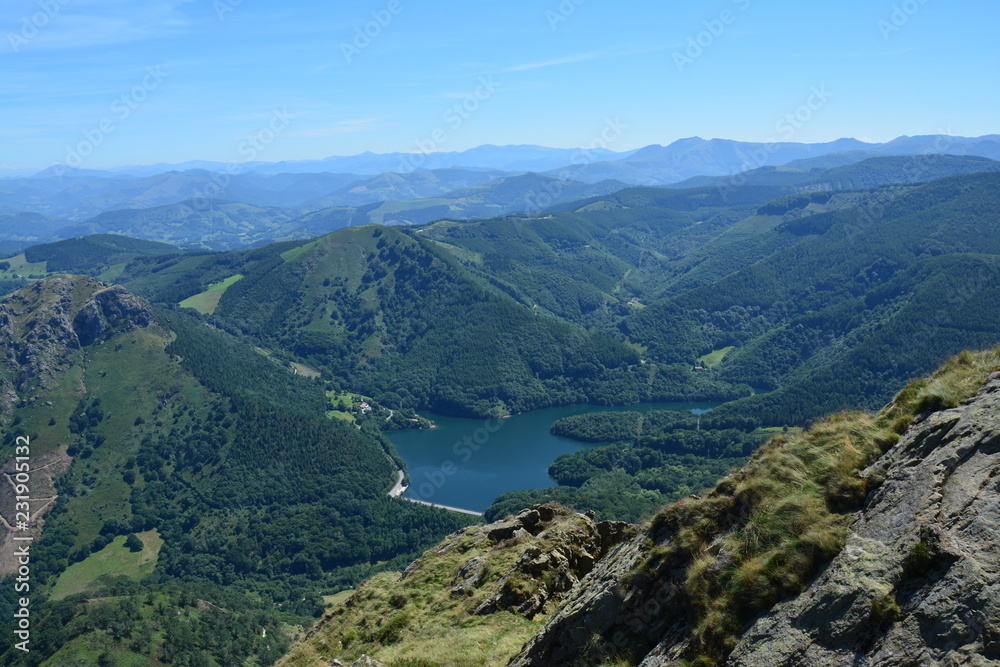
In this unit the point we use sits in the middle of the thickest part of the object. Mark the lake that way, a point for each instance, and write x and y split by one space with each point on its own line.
467 463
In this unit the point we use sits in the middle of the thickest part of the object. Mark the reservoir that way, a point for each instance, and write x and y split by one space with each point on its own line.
467 463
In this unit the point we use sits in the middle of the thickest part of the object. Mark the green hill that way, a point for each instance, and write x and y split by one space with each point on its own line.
208 224
82 255
396 317
147 420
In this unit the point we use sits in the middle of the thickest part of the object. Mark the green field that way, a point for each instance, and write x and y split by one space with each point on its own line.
713 359
206 302
111 561
305 371
19 265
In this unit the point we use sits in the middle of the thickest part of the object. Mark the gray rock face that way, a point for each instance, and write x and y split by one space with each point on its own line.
608 604
541 577
41 324
470 576
919 580
111 309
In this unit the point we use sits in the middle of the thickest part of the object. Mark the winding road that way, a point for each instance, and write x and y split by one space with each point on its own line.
400 488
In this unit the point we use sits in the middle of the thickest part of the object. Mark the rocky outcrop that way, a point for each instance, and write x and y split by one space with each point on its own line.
919 580
44 322
501 578
625 613
566 551
110 310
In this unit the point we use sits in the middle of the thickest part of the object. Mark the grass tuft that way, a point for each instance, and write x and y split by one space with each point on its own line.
768 528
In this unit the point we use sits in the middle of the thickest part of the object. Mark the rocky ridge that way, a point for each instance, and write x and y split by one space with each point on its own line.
919 580
41 324
515 570
916 583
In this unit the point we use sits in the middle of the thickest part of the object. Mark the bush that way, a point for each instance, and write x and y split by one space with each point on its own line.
886 610
134 544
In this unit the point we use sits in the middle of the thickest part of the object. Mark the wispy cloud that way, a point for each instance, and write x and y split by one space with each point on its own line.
850 55
102 22
340 127
616 52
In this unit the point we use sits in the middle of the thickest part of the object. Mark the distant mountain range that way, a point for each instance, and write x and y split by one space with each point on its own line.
686 158
253 209
488 157
200 204
654 164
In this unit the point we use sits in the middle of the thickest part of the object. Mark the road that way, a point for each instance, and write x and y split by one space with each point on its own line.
397 490
400 488
444 507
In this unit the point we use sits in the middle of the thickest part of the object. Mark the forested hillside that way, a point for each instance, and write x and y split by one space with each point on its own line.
150 423
617 300
398 317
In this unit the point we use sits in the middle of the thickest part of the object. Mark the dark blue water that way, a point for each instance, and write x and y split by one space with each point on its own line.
468 462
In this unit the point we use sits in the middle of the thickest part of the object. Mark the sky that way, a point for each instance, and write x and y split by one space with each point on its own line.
102 83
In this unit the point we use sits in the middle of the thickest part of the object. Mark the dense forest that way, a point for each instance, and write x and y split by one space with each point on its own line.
258 503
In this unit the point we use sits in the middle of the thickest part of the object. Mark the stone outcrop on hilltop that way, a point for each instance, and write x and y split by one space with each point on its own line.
111 309
41 324
515 570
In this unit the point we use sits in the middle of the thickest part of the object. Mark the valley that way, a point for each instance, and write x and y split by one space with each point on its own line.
226 424
499 334
467 463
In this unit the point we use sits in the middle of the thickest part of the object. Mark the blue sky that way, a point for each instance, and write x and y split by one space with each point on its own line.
173 80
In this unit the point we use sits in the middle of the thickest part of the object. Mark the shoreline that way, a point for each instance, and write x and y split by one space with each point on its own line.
400 488
443 507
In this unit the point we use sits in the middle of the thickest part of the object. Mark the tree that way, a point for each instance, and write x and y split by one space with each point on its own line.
133 543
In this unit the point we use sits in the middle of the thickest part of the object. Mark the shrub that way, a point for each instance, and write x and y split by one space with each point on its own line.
919 561
133 543
885 609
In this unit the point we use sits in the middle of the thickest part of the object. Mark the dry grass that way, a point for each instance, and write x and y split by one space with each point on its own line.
767 529
417 622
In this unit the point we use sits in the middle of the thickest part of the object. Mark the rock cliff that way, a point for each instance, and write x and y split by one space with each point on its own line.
918 582
915 580
43 323
474 599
